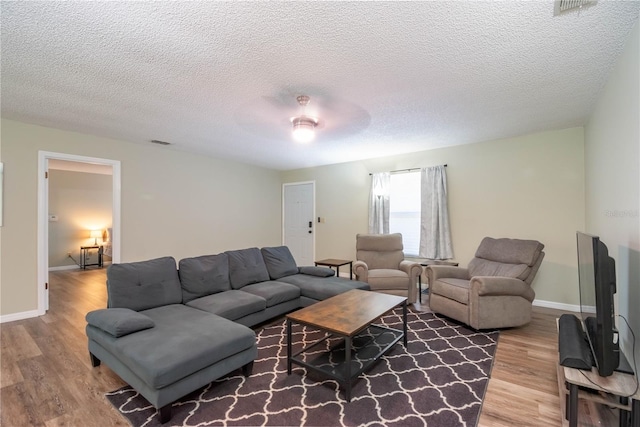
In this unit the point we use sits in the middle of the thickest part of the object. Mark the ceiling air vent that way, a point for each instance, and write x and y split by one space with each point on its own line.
157 141
562 6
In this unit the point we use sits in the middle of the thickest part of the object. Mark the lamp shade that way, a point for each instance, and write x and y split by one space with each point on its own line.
95 234
303 129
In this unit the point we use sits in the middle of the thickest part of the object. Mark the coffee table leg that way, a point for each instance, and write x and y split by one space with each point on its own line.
404 322
347 359
289 346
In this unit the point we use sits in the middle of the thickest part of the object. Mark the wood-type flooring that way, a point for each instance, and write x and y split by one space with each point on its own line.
46 378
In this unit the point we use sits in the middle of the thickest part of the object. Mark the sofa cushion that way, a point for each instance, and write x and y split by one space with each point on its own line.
380 250
119 321
246 266
143 285
483 267
203 275
511 251
184 341
317 271
455 289
279 262
273 292
231 304
321 288
384 278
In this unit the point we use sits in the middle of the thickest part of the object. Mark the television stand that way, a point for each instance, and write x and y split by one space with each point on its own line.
574 384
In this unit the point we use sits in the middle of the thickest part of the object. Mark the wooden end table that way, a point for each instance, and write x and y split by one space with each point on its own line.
84 256
348 319
337 263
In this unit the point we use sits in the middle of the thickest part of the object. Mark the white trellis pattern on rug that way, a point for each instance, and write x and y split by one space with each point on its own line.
440 381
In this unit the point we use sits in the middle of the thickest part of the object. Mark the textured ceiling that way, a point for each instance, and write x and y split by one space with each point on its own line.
220 78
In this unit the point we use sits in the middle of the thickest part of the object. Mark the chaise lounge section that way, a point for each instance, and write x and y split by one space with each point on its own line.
168 331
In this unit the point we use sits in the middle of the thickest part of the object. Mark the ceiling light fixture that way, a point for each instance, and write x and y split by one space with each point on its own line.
304 126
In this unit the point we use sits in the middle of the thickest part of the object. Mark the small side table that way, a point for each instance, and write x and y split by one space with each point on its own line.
84 255
337 263
428 262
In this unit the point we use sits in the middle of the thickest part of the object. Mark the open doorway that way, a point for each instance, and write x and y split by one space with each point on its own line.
74 225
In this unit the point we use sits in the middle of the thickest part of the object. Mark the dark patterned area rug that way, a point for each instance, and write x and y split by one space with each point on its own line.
439 381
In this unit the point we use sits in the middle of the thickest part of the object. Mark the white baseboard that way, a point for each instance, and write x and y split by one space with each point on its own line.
74 267
64 267
557 305
19 316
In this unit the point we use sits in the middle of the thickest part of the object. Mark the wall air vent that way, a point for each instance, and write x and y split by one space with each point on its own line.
157 141
562 6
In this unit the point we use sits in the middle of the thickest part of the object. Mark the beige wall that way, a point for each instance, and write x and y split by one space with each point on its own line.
529 187
612 159
173 203
82 202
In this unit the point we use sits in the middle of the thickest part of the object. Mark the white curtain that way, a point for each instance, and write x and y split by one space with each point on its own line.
435 233
379 203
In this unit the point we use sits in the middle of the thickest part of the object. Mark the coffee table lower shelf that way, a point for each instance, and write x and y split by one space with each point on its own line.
344 358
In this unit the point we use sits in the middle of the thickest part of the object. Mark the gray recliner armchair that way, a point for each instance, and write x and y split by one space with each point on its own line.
495 290
380 263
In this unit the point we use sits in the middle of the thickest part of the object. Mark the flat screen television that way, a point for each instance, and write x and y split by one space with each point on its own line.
597 279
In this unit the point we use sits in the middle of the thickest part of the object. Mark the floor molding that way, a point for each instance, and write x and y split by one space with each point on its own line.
19 316
64 267
557 305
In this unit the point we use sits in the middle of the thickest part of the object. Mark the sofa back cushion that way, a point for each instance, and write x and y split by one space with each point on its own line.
483 267
515 258
143 285
246 266
203 275
279 262
510 251
380 251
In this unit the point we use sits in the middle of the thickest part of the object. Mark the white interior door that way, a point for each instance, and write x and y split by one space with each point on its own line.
298 224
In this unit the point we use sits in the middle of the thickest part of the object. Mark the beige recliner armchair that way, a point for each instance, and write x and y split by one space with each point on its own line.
495 290
380 263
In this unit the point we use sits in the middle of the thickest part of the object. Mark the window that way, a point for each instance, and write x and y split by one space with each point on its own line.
404 210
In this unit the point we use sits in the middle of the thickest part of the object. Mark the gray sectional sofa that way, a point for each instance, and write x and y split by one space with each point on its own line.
168 331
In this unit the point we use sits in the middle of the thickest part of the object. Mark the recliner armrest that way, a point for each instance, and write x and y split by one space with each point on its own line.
412 268
494 285
435 272
361 270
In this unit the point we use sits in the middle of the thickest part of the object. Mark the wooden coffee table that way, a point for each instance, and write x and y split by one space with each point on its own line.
352 343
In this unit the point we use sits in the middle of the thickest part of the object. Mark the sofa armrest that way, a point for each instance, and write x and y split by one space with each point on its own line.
119 322
361 270
435 272
493 285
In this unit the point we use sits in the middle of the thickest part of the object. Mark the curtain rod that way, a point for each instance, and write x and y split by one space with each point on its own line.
406 170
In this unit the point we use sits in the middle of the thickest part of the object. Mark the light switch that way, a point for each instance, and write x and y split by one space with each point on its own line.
53 218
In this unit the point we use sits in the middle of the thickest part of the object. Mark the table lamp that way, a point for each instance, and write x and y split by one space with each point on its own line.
95 234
